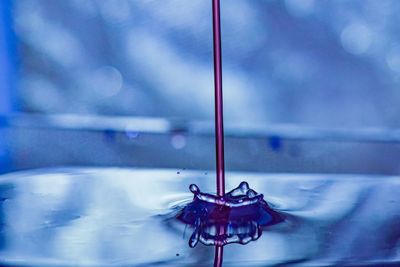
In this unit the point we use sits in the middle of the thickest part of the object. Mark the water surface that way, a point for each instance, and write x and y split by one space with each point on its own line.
124 217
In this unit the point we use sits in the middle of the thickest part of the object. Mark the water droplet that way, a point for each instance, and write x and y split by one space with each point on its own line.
244 186
194 189
251 193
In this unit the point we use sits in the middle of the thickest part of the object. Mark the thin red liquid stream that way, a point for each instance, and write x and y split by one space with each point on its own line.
219 124
219 254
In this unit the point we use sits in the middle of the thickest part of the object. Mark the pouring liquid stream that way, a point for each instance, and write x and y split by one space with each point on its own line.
234 217
219 119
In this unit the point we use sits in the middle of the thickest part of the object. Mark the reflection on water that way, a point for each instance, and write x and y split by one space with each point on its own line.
114 217
237 217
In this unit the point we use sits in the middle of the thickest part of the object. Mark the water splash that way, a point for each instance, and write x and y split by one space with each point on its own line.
236 217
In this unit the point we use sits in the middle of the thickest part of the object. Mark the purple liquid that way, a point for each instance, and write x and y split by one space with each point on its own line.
219 118
219 125
237 217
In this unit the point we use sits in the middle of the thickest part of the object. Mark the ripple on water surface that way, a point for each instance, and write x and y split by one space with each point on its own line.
114 217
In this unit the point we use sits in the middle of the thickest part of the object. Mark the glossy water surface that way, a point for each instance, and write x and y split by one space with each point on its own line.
236 217
125 217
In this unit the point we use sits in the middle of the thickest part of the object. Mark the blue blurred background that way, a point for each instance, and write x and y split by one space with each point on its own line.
304 63
310 86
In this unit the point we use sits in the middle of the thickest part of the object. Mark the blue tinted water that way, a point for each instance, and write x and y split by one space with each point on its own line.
237 217
124 217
